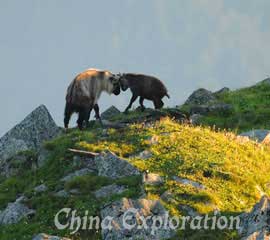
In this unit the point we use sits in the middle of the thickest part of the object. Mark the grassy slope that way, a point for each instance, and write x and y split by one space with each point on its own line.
251 109
231 171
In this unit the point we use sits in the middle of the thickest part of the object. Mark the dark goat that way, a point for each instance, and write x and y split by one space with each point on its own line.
145 87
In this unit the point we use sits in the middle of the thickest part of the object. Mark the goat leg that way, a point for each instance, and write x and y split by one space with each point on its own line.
97 115
132 100
141 104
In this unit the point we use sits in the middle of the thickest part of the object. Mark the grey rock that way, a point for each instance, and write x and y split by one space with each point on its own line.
14 212
200 97
41 188
78 173
256 135
143 155
108 191
62 194
188 182
211 108
116 125
189 211
199 109
221 108
256 224
195 119
144 208
74 191
36 128
152 179
110 112
167 196
43 236
110 165
81 162
222 91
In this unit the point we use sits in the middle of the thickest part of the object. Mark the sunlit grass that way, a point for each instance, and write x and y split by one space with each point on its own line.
234 173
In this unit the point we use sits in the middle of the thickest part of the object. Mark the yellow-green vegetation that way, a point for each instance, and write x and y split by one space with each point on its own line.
251 109
234 173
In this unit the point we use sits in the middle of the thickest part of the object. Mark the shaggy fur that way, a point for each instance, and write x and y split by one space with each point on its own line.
84 92
145 87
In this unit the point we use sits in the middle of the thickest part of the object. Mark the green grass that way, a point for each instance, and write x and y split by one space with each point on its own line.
232 172
251 109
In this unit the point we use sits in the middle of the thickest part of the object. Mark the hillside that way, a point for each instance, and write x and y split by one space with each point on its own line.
142 159
227 168
245 109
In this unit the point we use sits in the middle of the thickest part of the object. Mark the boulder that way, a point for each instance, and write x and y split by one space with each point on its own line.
188 211
36 128
142 155
41 188
167 196
257 135
108 191
185 181
145 155
43 236
266 140
222 91
256 224
110 112
135 210
116 125
80 162
199 109
152 179
200 97
78 173
109 165
221 108
62 194
195 119
74 191
14 212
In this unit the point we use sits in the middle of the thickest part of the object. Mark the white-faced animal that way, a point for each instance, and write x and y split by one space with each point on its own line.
84 92
145 87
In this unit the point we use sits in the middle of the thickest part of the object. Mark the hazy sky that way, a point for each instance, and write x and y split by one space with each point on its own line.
186 43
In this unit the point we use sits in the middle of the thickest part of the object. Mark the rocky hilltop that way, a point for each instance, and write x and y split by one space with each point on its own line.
165 163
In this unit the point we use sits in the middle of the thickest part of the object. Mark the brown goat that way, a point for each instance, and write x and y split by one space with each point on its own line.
84 92
145 87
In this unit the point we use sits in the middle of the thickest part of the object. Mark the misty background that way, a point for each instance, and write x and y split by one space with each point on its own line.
186 43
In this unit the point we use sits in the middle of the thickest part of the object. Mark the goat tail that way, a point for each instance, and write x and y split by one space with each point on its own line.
70 91
67 114
167 95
